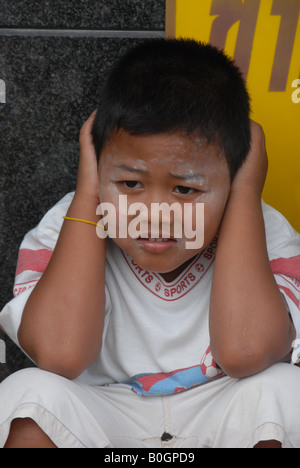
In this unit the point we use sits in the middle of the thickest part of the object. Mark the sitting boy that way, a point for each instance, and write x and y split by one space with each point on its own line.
139 340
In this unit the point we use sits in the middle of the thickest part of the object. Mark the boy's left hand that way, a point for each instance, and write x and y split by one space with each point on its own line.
251 176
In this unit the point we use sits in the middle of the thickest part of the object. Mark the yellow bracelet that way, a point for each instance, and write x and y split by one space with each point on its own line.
84 221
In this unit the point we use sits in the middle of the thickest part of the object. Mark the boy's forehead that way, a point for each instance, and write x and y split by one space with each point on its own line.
177 150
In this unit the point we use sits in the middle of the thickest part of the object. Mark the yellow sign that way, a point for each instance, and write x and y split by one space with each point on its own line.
263 36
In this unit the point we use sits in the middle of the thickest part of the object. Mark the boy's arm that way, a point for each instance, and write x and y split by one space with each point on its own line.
62 324
249 323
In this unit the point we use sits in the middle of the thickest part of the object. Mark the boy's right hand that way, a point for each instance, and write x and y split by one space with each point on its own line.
88 179
64 303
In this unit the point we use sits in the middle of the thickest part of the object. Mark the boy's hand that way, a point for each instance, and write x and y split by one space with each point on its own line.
65 301
88 180
251 176
250 328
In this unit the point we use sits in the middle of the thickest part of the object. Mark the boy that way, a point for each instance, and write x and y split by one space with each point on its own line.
198 333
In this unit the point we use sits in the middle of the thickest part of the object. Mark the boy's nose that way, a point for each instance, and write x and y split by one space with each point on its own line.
158 195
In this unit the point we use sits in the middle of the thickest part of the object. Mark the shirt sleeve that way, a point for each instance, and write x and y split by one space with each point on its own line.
34 255
284 253
287 275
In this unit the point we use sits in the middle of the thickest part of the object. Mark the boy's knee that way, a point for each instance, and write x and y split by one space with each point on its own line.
274 376
34 381
25 433
36 388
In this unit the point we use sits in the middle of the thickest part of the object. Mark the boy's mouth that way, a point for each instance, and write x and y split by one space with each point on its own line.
156 245
153 239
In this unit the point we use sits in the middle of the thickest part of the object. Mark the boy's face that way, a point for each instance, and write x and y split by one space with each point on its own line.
166 168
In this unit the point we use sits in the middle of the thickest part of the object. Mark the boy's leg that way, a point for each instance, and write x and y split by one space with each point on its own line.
76 415
36 402
268 444
25 433
260 411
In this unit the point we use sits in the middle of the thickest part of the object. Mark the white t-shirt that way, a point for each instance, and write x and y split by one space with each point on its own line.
156 334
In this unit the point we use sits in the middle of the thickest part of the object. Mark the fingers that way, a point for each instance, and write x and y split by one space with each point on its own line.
86 130
87 179
257 135
253 172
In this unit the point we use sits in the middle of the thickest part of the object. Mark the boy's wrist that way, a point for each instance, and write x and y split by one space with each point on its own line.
84 206
83 196
85 193
246 193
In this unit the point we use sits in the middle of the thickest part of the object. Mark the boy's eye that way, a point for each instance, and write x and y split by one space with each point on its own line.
184 190
131 184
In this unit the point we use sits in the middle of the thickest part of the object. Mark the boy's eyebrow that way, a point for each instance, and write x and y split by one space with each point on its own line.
135 170
131 169
191 175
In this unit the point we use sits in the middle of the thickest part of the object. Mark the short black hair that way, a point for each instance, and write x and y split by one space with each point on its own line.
177 85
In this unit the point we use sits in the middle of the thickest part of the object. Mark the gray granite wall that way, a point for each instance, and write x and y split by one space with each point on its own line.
53 58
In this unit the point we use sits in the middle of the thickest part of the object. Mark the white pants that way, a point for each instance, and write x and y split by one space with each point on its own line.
226 413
